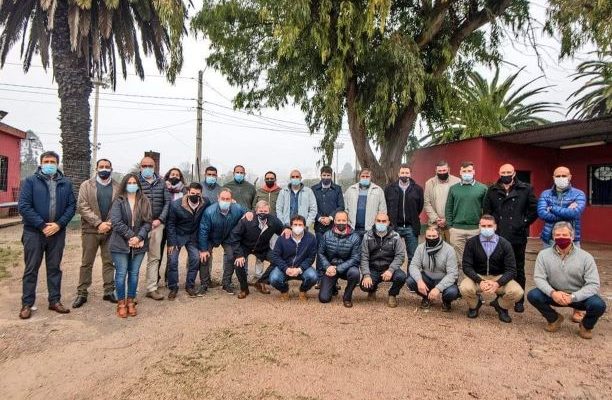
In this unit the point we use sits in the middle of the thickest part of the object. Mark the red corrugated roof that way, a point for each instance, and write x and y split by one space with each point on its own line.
9 130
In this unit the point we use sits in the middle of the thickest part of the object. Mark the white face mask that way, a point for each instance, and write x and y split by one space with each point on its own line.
562 183
297 230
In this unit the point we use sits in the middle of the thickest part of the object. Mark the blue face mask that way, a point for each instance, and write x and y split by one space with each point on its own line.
131 187
381 227
467 177
364 182
224 205
239 177
49 169
487 232
211 180
295 181
147 172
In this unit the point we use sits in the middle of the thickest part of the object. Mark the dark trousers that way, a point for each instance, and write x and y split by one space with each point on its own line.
228 267
594 307
449 294
328 285
161 251
397 281
243 272
410 240
519 255
35 246
193 265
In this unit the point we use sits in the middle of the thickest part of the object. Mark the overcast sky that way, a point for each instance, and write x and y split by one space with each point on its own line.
131 123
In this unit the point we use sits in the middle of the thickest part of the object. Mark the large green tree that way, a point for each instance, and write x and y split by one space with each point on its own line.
379 63
85 39
594 98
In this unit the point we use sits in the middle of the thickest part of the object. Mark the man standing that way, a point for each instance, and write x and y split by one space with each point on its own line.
363 201
183 226
268 192
95 199
436 194
243 191
210 187
296 199
382 254
514 207
404 205
154 188
490 268
46 204
292 258
464 208
566 276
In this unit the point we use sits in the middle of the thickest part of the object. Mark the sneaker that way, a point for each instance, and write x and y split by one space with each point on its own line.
446 306
555 325
202 291
229 290
425 303
191 292
155 295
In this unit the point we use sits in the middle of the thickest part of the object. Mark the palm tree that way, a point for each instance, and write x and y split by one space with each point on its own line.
594 99
481 108
85 39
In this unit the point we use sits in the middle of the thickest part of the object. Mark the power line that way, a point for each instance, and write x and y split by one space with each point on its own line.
122 133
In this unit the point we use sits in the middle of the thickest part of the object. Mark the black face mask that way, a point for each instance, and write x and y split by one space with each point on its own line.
443 177
432 242
341 227
270 183
194 198
104 174
404 179
262 216
326 181
174 180
506 179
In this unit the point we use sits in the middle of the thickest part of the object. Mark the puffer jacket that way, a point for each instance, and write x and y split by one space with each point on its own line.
215 228
124 228
553 208
159 197
341 250
382 253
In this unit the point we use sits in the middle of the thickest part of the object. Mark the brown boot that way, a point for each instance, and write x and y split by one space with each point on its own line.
555 325
121 309
243 294
584 332
284 296
262 288
303 296
131 307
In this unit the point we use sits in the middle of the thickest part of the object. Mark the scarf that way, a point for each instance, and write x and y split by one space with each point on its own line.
178 188
432 251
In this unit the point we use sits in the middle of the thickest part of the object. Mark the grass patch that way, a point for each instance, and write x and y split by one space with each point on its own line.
9 258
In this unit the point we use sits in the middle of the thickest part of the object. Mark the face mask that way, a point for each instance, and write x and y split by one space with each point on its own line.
506 179
467 177
270 183
295 181
131 187
341 227
404 179
211 180
194 198
364 182
147 172
443 176
174 180
224 205
239 177
262 216
49 169
562 183
297 230
104 173
432 242
326 181
487 232
381 227
563 243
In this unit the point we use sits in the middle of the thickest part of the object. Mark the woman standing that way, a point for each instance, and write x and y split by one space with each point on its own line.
131 221
175 182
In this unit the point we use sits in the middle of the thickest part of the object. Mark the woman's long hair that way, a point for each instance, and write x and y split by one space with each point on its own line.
181 177
142 207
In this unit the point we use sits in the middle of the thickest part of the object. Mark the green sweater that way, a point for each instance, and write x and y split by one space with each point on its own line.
464 205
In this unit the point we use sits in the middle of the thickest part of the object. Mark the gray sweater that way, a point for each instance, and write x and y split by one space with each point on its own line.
445 269
576 274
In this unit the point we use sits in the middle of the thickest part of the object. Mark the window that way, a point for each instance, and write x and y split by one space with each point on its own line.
3 173
600 184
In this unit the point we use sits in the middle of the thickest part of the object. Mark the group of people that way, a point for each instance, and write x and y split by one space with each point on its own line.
362 236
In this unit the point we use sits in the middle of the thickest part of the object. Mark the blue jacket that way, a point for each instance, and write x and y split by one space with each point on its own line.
34 201
343 251
329 202
287 253
553 208
215 228
184 223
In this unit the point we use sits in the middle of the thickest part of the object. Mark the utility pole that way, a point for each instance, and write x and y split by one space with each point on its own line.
338 145
198 155
95 145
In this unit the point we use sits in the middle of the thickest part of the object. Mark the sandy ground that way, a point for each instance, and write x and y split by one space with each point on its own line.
219 347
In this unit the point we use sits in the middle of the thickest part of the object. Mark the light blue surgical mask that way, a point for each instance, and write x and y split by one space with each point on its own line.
49 169
364 182
131 187
224 205
467 177
296 181
380 227
147 172
239 177
487 232
211 180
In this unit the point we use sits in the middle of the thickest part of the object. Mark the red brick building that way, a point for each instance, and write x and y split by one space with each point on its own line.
585 147
10 162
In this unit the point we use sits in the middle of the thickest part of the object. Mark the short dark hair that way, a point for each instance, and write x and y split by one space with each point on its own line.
103 159
341 212
181 177
210 168
405 165
488 217
442 163
466 164
239 166
195 185
297 218
49 154
326 169
365 170
270 172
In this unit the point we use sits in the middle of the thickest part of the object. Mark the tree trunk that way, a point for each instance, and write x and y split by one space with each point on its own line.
74 88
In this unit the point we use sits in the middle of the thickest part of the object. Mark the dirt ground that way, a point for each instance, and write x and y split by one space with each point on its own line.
219 347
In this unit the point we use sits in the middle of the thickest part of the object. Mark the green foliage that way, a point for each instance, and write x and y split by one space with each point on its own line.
594 98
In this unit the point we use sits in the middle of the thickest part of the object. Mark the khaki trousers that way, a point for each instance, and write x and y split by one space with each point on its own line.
90 242
458 237
153 257
509 294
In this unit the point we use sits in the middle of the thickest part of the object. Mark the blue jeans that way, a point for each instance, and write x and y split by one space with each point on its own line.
126 265
449 294
193 266
594 307
411 241
278 279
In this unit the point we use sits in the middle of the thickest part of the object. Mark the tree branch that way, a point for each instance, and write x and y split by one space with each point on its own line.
435 18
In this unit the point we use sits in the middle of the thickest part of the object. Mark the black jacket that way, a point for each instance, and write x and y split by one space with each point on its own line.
404 208
183 223
246 237
501 262
329 201
123 231
381 253
158 196
513 212
343 251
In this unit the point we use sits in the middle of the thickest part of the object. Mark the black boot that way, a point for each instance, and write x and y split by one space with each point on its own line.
79 301
110 297
502 313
